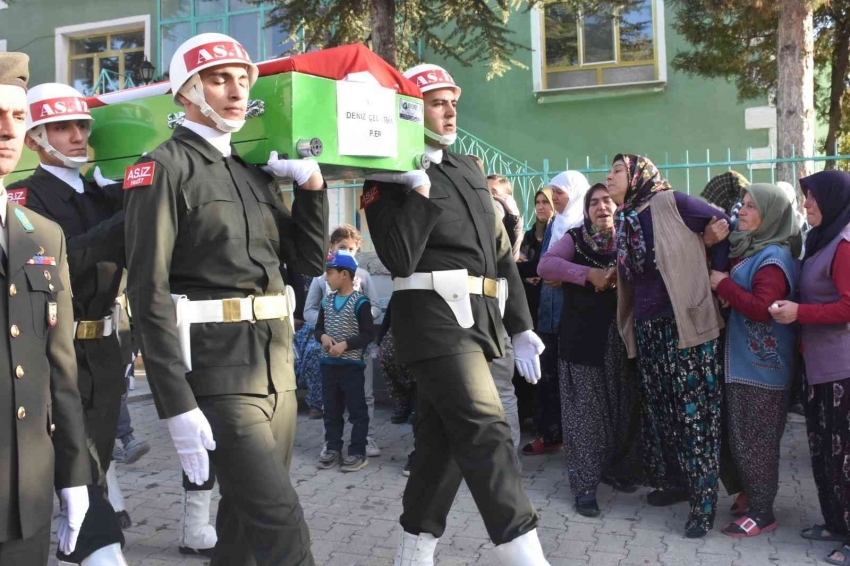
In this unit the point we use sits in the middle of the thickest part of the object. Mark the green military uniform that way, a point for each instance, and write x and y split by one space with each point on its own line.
459 407
42 440
210 227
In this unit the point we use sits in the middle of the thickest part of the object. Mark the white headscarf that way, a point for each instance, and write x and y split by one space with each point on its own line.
575 185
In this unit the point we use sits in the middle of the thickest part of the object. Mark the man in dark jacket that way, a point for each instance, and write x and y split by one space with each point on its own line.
42 440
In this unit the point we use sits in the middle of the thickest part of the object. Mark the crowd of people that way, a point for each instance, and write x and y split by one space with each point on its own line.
658 338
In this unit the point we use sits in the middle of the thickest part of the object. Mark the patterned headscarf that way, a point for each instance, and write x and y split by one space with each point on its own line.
645 181
595 240
725 190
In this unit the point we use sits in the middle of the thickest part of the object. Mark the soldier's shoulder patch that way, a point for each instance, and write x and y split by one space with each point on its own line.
139 175
18 196
370 195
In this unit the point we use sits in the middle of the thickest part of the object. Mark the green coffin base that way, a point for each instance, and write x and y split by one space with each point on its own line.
296 107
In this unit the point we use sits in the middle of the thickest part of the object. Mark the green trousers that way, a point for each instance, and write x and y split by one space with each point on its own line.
462 435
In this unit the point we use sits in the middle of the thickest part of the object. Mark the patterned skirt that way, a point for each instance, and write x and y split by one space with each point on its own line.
828 424
600 417
681 395
307 374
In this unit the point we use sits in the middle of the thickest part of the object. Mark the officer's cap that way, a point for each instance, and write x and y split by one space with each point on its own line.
14 69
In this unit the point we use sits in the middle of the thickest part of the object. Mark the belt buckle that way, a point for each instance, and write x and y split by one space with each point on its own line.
89 329
266 307
231 310
491 288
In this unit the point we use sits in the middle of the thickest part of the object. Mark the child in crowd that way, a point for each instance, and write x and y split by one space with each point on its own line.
345 237
344 328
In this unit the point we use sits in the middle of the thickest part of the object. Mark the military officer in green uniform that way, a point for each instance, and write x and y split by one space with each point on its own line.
92 219
205 237
42 437
456 292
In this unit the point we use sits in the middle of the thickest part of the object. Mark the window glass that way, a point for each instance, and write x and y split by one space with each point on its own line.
278 42
245 28
129 40
242 5
561 37
171 9
636 31
209 26
88 45
132 62
82 75
172 36
598 39
208 7
110 73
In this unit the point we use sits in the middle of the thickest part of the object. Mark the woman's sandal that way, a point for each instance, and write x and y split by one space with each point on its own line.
746 527
817 533
845 556
741 505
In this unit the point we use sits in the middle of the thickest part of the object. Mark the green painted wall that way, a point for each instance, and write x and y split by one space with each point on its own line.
691 114
29 26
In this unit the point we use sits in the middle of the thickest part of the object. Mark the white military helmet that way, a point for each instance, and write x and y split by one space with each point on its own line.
432 77
202 52
55 102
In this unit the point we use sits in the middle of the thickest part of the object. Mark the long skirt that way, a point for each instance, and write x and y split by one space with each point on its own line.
307 372
756 418
681 396
400 383
828 424
600 417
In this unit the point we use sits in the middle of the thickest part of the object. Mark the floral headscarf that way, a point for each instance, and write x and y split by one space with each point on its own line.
595 240
644 182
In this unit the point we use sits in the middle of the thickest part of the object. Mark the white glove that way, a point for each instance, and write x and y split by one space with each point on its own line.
298 170
192 436
412 179
100 179
74 502
527 350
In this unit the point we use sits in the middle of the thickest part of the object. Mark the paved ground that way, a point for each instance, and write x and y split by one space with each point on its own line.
353 517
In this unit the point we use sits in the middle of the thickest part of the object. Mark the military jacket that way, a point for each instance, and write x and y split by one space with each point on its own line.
456 228
42 434
211 227
93 223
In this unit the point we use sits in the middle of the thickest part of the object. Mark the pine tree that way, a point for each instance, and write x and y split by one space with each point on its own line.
466 31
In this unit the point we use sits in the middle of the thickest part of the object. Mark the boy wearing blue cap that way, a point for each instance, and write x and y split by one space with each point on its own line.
344 328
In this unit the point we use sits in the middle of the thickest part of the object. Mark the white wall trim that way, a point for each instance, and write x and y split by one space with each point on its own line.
3 5
3 45
66 33
537 46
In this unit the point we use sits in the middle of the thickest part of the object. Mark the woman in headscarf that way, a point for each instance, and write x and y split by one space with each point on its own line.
529 251
760 358
724 191
598 389
824 317
568 189
670 321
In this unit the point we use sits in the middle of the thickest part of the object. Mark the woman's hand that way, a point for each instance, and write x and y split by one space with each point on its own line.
598 278
715 232
533 280
784 312
716 277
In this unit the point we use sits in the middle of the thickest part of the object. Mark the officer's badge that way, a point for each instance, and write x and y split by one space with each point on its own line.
140 175
369 197
52 313
18 196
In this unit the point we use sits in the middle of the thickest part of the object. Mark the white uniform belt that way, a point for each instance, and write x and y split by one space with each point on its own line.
238 310
93 329
425 282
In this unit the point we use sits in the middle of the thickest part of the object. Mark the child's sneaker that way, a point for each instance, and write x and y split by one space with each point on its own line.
372 449
328 459
353 463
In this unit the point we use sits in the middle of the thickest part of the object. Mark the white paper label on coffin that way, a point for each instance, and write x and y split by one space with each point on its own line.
366 120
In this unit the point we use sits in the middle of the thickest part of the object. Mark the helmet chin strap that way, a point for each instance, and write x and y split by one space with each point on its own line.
194 91
444 140
39 135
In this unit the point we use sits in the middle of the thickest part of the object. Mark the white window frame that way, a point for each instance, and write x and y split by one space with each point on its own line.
3 5
3 46
537 50
64 35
